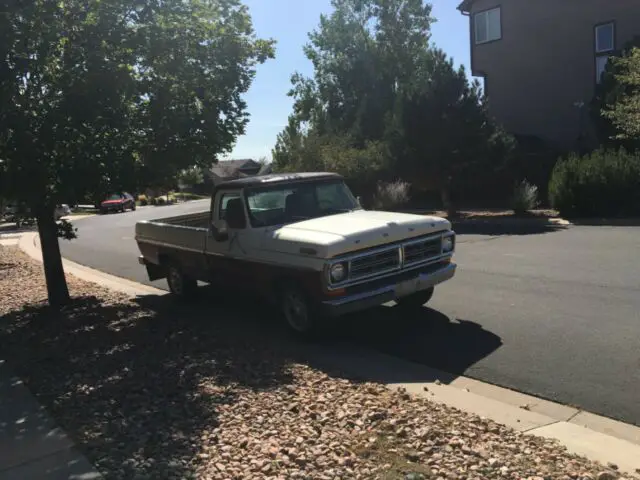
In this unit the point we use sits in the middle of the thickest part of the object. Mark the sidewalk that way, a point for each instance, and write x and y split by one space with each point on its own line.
31 445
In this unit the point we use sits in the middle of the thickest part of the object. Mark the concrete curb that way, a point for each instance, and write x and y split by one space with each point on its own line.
593 436
30 244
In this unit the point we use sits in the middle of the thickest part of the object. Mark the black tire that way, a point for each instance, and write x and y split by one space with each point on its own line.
415 301
298 312
181 286
133 207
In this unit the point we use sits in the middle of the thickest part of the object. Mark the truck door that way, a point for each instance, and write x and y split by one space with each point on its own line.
225 254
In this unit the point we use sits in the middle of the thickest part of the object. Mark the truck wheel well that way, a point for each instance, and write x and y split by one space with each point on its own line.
281 283
164 259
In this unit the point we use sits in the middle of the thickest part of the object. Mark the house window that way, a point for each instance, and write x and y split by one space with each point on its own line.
605 38
601 64
487 26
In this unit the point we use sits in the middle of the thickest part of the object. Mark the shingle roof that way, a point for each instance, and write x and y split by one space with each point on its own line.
231 168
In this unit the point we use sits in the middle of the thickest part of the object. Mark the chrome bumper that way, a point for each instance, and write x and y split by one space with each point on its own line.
382 295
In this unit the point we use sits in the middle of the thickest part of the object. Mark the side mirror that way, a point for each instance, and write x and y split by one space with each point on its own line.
218 234
235 216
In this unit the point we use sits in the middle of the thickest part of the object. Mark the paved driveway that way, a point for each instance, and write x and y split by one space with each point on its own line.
552 314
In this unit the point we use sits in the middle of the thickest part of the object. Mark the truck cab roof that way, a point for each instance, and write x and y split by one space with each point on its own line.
278 178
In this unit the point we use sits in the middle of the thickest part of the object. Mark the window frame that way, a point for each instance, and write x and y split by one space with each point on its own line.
600 53
486 14
599 76
596 45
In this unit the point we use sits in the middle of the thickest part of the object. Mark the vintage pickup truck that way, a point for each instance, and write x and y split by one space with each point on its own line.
303 242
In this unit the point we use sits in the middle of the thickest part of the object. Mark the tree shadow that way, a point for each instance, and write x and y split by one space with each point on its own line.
139 385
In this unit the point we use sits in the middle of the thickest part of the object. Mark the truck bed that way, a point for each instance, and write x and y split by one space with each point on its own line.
184 232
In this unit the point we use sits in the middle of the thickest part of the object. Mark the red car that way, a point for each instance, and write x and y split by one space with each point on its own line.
118 202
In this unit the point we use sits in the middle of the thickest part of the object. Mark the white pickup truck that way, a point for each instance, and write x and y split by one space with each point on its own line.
303 242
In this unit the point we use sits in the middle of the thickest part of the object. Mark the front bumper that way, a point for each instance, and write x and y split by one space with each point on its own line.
383 294
110 207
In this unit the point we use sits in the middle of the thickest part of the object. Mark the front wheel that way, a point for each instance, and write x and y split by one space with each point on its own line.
180 285
416 300
298 312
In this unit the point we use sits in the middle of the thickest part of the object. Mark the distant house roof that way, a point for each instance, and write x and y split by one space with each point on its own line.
231 169
266 169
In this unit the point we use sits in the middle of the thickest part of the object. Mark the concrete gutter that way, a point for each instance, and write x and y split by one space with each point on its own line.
595 437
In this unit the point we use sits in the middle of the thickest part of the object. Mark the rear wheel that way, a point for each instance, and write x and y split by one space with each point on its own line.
180 285
415 301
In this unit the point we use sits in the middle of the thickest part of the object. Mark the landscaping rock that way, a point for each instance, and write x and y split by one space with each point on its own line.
151 389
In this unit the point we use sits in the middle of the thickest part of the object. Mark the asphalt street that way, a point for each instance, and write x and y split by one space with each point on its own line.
554 314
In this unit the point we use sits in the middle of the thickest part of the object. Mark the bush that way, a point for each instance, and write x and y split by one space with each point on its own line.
153 201
605 183
161 201
142 200
525 197
391 195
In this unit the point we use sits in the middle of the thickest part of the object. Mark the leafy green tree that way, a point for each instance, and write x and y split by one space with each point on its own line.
446 128
190 176
617 88
625 113
111 94
384 102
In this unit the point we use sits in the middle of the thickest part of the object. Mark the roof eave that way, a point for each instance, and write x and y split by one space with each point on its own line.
465 6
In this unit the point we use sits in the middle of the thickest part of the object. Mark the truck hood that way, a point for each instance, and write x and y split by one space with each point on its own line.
339 234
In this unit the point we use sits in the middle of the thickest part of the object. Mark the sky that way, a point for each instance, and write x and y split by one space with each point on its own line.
289 22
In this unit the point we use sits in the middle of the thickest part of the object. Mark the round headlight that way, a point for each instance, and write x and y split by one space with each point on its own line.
338 272
447 244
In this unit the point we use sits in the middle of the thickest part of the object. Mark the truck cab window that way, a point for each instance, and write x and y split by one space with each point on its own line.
224 202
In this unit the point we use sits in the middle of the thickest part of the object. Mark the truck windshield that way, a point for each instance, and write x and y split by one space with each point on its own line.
282 204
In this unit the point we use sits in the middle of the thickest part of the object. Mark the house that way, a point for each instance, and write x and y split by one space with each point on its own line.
541 59
232 169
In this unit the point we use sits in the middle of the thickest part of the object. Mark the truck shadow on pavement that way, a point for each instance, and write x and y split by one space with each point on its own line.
141 385
494 228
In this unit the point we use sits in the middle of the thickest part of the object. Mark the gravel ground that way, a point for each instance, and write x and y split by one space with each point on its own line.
152 390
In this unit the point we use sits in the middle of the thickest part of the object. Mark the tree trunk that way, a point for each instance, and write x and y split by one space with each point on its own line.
445 196
57 289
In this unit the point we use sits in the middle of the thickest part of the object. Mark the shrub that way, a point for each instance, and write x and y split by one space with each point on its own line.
142 200
161 201
153 201
391 195
605 183
525 197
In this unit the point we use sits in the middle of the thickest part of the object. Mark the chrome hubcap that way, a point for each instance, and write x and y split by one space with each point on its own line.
295 310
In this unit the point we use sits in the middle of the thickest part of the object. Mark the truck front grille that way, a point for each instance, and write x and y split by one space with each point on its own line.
392 258
375 264
421 251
